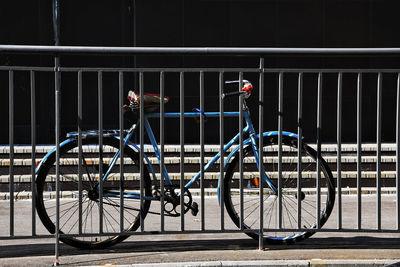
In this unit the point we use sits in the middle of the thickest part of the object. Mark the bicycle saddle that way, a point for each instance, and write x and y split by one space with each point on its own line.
151 101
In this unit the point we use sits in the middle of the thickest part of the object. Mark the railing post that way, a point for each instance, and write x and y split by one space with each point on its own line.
57 83
299 144
261 152
280 130
80 152
100 122
202 212
162 165
221 147
11 141
241 154
319 130
359 148
182 145
121 148
378 151
141 157
339 149
33 152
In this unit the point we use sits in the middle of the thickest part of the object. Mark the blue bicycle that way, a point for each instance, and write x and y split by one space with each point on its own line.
90 185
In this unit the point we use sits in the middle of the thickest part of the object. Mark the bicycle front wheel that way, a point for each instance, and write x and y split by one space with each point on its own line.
287 217
84 219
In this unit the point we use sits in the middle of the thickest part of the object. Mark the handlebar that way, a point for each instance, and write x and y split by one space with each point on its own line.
233 94
236 81
246 90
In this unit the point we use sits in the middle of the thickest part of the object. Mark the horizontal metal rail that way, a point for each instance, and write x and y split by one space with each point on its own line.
58 50
197 70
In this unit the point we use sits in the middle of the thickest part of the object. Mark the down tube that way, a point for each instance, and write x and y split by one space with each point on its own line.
216 157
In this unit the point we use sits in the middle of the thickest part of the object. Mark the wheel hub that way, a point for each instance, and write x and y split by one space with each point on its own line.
302 196
93 194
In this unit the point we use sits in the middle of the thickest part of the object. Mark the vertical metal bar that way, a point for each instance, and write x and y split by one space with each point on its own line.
280 129
100 110
261 152
33 153
398 154
359 148
319 121
162 165
378 151
57 85
182 144
202 151
339 150
299 144
221 148
80 157
11 141
121 149
141 130
241 151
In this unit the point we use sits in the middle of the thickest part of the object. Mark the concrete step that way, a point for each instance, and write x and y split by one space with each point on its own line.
196 160
192 162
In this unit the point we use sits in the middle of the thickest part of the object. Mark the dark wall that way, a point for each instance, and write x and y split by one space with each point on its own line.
282 24
92 22
204 23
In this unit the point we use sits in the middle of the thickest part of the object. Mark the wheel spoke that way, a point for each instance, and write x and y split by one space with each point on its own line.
111 224
289 215
73 225
309 213
255 220
91 182
127 208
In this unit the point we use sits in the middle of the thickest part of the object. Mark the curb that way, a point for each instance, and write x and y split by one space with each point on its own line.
299 263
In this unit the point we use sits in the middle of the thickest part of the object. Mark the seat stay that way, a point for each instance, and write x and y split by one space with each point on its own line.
153 142
118 153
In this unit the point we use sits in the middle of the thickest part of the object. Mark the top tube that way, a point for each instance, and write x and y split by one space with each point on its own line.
191 114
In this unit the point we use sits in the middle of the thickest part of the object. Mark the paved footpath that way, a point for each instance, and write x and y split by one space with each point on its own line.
323 249
206 250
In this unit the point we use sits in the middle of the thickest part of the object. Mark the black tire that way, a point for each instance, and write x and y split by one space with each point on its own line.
251 198
69 193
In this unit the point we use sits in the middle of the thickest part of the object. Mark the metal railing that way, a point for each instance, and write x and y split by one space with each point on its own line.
279 77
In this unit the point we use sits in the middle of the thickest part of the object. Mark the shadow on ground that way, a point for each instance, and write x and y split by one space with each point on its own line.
47 249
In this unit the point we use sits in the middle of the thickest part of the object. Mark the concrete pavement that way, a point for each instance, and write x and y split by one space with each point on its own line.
225 249
215 250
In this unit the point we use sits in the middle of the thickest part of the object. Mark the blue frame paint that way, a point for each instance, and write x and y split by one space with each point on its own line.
248 129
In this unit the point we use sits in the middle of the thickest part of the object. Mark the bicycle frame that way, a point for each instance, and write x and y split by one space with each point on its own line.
248 129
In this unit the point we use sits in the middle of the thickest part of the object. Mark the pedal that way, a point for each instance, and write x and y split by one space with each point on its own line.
194 208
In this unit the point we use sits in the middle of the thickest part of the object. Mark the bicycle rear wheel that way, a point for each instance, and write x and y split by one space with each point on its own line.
289 216
89 222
